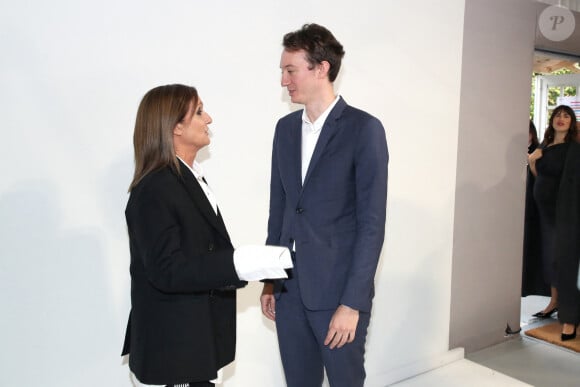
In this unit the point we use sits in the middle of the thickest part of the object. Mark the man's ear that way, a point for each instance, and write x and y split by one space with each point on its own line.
323 69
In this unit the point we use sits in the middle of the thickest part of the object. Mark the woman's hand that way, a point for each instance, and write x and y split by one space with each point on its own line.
532 158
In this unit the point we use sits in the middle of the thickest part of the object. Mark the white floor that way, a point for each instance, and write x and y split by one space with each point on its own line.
460 374
519 361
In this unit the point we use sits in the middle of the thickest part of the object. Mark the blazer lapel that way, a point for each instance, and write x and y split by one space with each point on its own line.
196 192
221 223
293 164
327 132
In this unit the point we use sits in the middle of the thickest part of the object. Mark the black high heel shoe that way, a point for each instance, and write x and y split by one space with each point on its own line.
569 336
548 314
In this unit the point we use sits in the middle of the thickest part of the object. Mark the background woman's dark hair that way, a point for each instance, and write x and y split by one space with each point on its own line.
320 45
160 110
550 132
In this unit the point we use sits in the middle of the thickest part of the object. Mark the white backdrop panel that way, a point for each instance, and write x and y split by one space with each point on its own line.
71 76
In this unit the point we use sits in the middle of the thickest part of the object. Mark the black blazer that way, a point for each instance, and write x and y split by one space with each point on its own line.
567 238
182 325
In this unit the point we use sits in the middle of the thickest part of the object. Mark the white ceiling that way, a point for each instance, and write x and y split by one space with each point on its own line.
573 5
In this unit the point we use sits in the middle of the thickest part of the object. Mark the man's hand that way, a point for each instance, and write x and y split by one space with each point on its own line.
342 327
268 301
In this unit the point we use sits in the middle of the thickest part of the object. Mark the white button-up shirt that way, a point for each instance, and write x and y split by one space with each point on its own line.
310 134
197 171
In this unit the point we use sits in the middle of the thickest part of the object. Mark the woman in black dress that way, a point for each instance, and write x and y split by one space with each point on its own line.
533 279
557 195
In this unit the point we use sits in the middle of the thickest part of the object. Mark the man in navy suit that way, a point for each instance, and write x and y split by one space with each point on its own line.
328 197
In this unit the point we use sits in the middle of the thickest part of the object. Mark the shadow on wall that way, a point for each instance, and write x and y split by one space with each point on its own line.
408 292
113 197
57 310
488 255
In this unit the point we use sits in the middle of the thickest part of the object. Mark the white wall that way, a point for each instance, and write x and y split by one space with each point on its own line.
489 208
71 76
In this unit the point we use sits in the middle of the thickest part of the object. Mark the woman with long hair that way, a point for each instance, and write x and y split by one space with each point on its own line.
184 270
557 194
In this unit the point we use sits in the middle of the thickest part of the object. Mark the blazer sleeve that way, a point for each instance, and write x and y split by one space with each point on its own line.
371 172
170 264
277 198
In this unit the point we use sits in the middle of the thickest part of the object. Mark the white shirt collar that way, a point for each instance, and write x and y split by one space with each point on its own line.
197 171
196 168
319 122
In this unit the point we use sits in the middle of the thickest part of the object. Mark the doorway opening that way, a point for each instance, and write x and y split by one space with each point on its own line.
555 81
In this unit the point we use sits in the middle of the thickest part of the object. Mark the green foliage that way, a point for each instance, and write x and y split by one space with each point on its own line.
553 92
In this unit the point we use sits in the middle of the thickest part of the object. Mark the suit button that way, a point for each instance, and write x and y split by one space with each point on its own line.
210 247
299 210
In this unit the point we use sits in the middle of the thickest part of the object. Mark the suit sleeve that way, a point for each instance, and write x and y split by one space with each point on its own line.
156 239
277 198
371 171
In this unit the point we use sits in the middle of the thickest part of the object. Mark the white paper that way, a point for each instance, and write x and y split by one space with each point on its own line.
255 262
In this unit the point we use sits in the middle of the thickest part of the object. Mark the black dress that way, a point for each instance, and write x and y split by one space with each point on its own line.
546 186
557 195
533 281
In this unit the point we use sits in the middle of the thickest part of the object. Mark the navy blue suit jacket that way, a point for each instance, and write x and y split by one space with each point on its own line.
337 217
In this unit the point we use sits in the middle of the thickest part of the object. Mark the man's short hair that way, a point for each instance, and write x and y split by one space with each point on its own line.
320 45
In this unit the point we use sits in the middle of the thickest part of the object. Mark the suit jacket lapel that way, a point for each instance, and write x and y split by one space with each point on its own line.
221 224
327 132
295 153
196 192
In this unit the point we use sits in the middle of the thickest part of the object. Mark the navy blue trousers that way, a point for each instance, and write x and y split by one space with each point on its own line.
301 334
